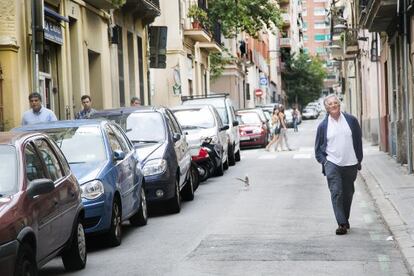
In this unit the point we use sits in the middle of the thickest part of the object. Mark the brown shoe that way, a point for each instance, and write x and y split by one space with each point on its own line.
341 230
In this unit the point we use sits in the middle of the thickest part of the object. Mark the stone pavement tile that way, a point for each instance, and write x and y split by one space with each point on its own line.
393 192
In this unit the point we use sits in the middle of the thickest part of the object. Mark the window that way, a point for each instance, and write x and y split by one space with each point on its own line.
124 143
321 50
34 168
319 11
305 25
322 37
321 25
113 141
52 163
305 38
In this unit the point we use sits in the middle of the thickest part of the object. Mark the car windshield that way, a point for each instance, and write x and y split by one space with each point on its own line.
195 118
249 118
8 170
145 127
83 144
218 103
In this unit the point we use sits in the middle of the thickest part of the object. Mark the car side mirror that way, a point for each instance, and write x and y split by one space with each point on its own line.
119 155
235 123
40 186
176 137
226 127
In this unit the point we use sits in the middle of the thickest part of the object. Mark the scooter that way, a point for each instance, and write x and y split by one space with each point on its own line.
207 159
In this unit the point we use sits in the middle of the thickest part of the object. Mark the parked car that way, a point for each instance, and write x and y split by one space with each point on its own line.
41 211
200 122
163 150
252 130
226 110
107 168
310 113
267 123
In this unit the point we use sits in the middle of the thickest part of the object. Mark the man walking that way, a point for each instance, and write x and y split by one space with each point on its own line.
338 147
87 110
37 112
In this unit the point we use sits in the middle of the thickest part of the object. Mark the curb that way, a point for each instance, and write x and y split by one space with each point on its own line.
391 217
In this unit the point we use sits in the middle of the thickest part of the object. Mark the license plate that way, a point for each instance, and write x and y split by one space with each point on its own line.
244 138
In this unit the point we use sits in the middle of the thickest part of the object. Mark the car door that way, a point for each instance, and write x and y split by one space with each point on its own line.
132 194
64 192
181 145
221 134
44 207
120 171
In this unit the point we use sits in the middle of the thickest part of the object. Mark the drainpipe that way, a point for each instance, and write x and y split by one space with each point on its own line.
406 96
35 66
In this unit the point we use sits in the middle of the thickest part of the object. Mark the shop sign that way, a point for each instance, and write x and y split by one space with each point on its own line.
53 32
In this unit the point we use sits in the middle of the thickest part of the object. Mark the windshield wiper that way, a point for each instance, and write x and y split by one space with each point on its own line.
144 141
79 162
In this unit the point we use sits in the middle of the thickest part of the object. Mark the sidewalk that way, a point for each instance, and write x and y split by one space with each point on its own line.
392 190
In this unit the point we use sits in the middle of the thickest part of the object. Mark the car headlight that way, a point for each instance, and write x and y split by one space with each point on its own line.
155 166
92 189
257 131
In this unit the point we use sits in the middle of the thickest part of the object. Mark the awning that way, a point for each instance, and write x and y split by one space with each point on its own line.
55 15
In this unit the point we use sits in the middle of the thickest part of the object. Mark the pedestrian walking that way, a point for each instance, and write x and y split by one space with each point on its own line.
135 101
87 110
295 116
338 147
283 129
275 128
37 112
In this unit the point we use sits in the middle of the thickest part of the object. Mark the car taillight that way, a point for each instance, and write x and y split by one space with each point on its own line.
202 154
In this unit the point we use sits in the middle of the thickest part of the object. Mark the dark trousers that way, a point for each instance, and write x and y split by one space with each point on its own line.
341 185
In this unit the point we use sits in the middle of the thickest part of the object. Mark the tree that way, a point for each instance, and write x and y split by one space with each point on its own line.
303 78
248 16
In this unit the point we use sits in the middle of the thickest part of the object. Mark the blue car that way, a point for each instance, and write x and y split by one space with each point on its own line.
107 168
163 150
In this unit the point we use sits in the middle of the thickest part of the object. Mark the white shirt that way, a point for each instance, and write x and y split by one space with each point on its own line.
340 147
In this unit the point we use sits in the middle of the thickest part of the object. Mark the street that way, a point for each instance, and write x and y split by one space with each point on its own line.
281 224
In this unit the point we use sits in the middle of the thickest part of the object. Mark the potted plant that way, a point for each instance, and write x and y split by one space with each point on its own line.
198 15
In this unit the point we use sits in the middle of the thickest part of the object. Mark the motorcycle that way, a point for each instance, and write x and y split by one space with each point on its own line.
207 159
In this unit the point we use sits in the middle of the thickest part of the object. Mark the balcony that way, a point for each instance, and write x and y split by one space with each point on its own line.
286 19
102 4
147 10
197 32
377 15
285 42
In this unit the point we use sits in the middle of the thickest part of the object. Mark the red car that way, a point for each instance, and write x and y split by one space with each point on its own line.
253 131
41 211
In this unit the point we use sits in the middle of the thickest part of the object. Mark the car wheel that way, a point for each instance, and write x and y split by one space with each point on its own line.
188 190
74 257
141 217
231 157
25 262
174 204
237 155
220 169
115 231
196 176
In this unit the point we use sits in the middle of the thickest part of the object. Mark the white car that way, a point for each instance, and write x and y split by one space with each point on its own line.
310 113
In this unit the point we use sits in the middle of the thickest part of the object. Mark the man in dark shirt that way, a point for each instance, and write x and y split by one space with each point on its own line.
87 110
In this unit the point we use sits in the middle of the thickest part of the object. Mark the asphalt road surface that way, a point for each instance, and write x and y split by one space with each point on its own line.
281 224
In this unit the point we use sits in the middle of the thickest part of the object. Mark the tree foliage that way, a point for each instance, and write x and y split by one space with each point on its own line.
250 16
303 78
217 62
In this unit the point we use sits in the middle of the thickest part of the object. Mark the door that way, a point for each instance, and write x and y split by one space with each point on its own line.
44 207
120 173
64 191
45 86
184 161
132 194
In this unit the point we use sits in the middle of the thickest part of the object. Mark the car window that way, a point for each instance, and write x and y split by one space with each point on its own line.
124 144
34 168
53 166
250 118
175 124
145 127
8 170
218 103
113 141
195 118
220 122
83 144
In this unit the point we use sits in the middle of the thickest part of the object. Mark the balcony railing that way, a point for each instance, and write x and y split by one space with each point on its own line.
285 42
147 10
377 15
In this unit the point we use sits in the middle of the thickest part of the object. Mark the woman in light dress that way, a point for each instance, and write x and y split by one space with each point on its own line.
276 128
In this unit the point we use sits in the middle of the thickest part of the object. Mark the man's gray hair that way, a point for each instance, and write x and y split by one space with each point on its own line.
331 96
